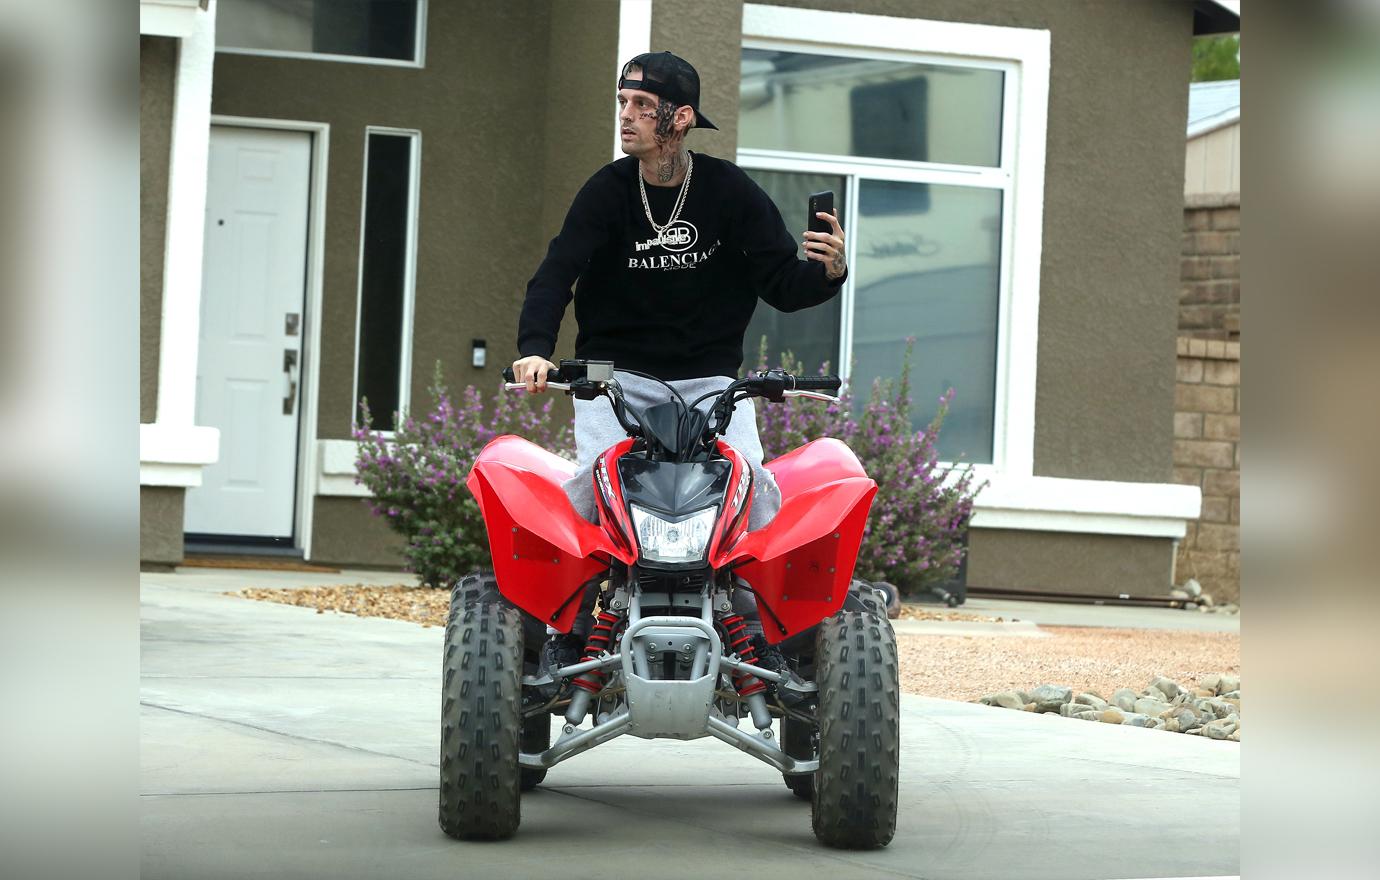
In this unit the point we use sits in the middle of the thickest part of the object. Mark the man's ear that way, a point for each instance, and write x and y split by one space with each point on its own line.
684 118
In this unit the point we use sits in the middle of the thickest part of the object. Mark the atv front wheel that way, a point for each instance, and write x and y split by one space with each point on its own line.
481 718
856 786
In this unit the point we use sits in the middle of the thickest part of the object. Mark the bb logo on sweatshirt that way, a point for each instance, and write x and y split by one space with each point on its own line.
673 261
679 236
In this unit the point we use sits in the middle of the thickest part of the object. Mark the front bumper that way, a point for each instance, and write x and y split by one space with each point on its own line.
669 709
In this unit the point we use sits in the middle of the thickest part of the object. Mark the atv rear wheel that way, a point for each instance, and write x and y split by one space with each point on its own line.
856 787
481 717
797 740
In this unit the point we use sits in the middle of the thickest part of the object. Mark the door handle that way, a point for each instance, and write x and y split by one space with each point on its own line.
290 368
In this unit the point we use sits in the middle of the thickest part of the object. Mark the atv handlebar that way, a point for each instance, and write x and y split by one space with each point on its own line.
590 379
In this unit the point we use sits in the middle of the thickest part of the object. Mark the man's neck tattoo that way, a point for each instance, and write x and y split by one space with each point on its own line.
668 164
672 157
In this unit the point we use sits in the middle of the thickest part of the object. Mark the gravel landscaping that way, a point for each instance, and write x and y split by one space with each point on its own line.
1088 663
402 602
429 607
1210 708
1085 659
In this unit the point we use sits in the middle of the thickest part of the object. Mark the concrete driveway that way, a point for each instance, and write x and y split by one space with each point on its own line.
277 742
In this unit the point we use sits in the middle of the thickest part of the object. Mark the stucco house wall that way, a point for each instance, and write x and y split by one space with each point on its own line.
515 113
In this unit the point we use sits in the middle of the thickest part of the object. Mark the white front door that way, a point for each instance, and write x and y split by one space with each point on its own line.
249 361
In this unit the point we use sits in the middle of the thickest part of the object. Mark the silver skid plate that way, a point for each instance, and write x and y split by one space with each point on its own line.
659 709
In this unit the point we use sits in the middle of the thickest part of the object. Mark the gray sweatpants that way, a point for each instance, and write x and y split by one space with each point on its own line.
596 429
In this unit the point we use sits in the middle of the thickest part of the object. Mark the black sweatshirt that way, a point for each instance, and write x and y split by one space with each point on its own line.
675 308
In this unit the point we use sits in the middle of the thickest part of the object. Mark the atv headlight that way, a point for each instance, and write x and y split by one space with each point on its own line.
684 540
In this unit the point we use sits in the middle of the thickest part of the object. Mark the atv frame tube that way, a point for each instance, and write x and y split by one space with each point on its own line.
668 708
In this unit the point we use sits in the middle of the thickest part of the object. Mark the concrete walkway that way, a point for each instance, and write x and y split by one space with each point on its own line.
1079 614
278 742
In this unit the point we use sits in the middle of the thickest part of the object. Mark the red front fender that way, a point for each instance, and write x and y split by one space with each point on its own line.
542 549
801 564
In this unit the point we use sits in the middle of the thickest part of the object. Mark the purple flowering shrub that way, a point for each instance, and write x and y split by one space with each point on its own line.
417 477
914 533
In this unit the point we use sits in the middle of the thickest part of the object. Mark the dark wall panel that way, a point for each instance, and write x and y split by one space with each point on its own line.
157 73
1064 562
344 532
160 524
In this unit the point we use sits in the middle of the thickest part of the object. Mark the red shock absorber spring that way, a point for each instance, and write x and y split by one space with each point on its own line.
600 637
740 643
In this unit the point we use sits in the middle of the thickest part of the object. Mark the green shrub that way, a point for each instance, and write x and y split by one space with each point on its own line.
914 535
417 476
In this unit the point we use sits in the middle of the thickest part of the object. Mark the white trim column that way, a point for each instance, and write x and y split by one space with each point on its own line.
634 38
173 450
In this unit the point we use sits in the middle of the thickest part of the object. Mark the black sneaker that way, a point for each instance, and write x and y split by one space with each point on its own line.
770 657
560 649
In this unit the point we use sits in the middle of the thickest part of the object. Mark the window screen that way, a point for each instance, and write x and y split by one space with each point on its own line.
383 292
385 29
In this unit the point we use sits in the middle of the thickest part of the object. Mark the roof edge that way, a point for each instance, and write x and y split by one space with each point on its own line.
1212 123
1216 17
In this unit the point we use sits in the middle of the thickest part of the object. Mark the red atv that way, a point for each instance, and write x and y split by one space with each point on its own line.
680 585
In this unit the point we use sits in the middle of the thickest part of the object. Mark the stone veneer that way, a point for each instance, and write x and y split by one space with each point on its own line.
1210 270
1207 454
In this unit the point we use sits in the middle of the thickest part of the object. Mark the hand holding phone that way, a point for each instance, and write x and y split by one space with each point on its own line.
824 239
820 201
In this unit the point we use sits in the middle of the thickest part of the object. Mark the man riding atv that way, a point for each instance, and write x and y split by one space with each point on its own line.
723 586
668 252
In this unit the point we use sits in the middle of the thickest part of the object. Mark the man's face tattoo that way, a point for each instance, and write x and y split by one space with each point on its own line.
665 121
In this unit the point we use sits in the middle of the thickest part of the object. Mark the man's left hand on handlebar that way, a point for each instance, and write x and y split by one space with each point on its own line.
533 370
827 248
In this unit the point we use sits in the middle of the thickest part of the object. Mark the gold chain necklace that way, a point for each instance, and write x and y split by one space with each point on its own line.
680 199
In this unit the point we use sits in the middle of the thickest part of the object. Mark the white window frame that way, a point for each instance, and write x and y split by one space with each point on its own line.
409 272
418 61
1015 498
1023 56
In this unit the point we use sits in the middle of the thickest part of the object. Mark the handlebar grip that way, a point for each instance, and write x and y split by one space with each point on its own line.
830 384
551 375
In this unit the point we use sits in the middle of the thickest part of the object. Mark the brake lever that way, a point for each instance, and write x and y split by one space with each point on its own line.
813 395
522 386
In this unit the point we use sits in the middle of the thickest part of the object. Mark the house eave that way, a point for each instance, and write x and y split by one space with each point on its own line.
170 18
1216 17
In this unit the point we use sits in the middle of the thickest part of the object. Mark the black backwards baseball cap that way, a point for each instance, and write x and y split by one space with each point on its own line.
670 77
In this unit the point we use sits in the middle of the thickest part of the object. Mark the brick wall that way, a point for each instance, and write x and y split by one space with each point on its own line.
1207 454
1210 275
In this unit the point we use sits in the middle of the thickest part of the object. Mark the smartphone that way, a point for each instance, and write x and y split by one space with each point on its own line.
821 201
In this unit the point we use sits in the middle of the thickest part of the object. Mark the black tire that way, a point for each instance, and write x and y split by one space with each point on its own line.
797 740
481 718
856 787
536 737
536 732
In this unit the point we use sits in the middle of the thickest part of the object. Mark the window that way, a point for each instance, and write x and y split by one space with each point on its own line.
371 31
811 335
874 108
914 152
387 265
